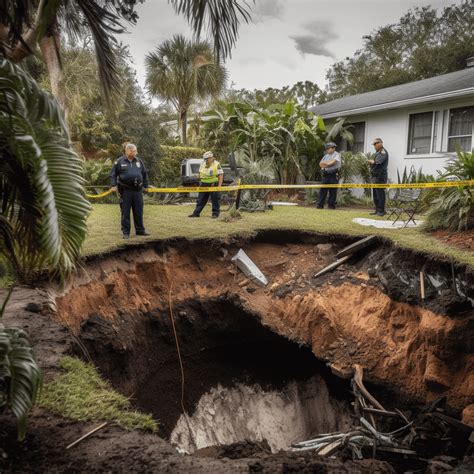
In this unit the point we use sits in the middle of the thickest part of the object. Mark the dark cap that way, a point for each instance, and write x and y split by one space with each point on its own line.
330 145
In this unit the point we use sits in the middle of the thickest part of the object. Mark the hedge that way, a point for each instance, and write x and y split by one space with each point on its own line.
170 162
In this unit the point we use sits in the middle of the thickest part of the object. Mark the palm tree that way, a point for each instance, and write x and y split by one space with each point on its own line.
26 25
180 71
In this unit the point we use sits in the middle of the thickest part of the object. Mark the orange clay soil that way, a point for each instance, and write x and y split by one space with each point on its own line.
345 318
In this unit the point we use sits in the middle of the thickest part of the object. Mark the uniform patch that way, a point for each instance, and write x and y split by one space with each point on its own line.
138 165
383 152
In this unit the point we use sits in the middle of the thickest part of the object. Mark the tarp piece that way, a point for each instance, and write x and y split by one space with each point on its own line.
384 224
250 270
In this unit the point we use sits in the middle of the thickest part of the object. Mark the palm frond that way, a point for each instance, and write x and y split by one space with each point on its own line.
220 18
20 376
41 193
103 23
16 16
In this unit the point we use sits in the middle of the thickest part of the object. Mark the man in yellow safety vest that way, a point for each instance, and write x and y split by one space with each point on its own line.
210 175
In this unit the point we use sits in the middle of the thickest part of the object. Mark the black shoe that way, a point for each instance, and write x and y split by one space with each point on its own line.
144 233
125 236
373 213
333 208
215 217
381 214
319 207
193 215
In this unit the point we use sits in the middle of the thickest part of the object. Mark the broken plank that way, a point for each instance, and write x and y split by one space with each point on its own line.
332 266
359 245
404 451
330 448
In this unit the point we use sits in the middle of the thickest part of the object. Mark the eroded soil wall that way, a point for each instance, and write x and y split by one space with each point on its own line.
345 317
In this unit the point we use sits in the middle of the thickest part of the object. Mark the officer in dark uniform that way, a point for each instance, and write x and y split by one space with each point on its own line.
129 178
378 170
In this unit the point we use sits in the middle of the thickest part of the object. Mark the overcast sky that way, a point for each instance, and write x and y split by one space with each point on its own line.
288 40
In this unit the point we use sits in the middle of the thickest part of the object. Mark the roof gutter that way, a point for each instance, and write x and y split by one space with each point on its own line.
401 103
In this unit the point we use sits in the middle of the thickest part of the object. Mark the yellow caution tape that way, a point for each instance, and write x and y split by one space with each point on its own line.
213 189
101 195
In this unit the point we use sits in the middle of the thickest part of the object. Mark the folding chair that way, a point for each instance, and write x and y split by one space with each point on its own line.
408 201
392 201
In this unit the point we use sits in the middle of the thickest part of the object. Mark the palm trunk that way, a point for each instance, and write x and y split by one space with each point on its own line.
184 126
49 46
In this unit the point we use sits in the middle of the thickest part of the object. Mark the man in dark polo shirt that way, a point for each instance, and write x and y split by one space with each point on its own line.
129 178
378 171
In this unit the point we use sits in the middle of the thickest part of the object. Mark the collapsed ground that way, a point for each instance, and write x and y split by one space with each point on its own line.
297 339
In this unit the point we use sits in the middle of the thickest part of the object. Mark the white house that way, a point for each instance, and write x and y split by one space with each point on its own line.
420 122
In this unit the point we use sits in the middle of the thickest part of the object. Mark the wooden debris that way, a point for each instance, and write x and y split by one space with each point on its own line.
359 245
429 434
332 266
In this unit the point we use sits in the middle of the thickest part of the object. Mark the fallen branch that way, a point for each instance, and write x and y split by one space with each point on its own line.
87 435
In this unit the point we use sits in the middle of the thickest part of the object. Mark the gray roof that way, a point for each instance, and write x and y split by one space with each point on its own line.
454 84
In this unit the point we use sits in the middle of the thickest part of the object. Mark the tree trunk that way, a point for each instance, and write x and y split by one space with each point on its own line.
21 49
50 46
184 126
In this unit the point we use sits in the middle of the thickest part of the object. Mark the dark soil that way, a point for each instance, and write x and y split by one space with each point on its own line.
115 450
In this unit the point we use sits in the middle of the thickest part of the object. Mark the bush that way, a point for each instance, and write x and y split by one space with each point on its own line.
96 172
454 208
169 173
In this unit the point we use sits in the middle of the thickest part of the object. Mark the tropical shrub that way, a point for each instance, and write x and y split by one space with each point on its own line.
283 133
42 218
96 172
454 208
20 376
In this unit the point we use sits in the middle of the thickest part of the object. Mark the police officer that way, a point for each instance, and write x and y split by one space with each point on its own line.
129 178
210 174
378 170
330 164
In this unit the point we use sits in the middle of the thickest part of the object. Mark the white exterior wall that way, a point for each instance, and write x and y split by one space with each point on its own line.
392 127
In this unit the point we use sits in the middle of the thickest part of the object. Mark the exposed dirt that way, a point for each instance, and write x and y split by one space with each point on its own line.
462 239
345 317
413 353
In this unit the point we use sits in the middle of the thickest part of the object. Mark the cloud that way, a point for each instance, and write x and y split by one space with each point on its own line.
267 10
315 41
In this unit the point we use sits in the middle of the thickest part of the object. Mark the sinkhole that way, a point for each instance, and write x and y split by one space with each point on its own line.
241 380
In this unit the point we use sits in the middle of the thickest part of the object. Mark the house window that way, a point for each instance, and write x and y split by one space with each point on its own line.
420 133
358 132
461 128
434 146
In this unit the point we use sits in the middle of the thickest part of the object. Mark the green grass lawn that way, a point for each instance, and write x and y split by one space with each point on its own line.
165 222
